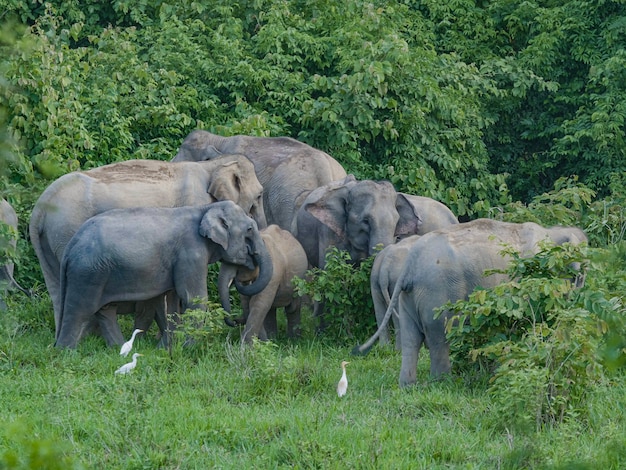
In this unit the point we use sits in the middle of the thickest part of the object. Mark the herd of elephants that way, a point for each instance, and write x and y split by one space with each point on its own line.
138 236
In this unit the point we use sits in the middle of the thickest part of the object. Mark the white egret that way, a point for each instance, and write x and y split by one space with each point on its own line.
342 386
128 345
126 368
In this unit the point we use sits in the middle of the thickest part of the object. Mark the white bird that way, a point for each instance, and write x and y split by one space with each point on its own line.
126 368
128 345
342 386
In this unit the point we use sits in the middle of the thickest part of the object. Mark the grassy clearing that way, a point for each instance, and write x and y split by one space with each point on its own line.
217 406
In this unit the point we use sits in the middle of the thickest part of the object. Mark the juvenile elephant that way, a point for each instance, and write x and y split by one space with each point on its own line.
390 260
285 167
8 218
140 253
355 216
447 265
386 270
75 197
259 311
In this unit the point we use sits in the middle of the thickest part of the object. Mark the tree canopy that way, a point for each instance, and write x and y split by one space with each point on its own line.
472 103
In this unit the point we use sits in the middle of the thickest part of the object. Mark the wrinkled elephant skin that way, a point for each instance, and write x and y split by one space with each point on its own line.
447 265
138 254
287 169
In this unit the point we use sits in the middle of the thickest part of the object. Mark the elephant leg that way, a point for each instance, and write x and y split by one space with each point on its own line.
318 312
270 324
380 308
253 327
167 317
438 347
396 327
293 314
109 327
411 339
145 313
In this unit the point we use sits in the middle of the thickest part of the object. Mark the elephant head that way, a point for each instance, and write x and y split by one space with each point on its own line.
363 214
240 243
236 181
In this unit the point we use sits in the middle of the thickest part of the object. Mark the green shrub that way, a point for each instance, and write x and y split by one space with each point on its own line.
541 339
344 288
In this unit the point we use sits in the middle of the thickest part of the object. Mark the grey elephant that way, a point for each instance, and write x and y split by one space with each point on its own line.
386 270
355 216
259 311
433 214
447 265
390 260
8 218
75 197
140 253
286 167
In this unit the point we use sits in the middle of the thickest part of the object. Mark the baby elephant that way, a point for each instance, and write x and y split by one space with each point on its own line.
386 270
259 311
137 254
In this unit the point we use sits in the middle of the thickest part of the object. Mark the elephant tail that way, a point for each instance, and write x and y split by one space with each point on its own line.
363 349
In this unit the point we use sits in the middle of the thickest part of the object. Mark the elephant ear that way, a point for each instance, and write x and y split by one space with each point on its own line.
214 226
410 221
330 209
224 183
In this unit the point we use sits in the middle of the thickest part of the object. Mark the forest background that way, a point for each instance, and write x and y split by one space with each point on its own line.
506 109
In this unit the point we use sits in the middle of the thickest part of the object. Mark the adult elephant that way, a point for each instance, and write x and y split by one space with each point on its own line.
355 216
285 167
433 214
139 253
259 311
447 265
75 197
8 218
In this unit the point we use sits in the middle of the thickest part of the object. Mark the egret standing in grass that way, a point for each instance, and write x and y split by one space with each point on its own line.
126 368
342 386
128 345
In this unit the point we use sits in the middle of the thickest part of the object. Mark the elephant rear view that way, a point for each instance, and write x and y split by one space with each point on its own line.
447 265
8 243
137 254
287 168
75 197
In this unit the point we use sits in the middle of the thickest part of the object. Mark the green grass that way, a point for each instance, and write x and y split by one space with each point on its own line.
215 405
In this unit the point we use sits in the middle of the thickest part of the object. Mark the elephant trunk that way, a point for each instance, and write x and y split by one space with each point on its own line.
262 259
224 280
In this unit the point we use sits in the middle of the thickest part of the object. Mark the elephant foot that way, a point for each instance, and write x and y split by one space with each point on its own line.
234 322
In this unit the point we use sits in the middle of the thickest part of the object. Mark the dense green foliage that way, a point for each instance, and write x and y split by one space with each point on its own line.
344 290
440 98
506 109
543 340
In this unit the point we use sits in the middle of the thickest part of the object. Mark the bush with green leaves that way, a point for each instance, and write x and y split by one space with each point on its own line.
344 289
541 339
199 326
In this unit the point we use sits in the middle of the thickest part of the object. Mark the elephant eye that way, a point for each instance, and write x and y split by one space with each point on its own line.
225 224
